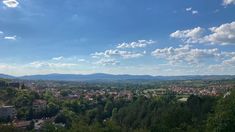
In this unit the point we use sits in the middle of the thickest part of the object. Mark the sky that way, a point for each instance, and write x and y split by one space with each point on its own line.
139 37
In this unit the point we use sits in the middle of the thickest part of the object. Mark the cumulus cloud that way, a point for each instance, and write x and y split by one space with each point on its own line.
110 57
197 61
107 61
58 58
40 64
223 34
194 12
117 53
226 67
10 3
228 2
10 37
138 44
58 62
7 37
230 61
68 59
190 9
189 36
188 54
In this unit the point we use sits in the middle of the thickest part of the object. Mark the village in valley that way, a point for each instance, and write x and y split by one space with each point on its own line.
29 104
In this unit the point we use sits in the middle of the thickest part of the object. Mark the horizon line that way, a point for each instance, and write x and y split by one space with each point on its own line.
116 74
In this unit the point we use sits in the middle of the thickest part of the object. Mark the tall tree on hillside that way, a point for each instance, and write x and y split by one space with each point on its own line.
223 120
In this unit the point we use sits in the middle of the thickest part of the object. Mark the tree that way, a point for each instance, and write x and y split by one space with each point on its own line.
48 127
52 109
223 120
108 108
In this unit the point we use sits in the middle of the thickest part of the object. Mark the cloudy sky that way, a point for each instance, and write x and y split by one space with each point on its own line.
155 37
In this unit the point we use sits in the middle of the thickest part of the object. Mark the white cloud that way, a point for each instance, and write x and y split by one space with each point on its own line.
223 34
188 60
117 53
105 62
110 57
38 68
189 55
40 64
10 37
230 61
58 62
190 9
228 2
68 59
194 12
138 44
190 35
10 3
128 54
58 58
226 67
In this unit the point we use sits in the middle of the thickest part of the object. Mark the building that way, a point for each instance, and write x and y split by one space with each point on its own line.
14 85
39 106
21 124
7 112
3 84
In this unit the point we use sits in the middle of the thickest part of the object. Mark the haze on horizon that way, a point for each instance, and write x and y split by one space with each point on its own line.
151 37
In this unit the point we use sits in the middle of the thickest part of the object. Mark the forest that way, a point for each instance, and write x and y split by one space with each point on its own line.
140 114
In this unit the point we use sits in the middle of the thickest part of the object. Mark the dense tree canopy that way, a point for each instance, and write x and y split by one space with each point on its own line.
141 114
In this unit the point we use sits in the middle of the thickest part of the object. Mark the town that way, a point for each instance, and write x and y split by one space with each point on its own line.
27 104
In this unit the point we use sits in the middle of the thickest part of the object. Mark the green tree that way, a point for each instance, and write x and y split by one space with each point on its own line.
223 120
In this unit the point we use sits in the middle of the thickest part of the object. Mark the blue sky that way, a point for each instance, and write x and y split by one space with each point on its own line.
152 37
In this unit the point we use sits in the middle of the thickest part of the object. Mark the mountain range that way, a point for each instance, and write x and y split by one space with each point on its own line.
102 76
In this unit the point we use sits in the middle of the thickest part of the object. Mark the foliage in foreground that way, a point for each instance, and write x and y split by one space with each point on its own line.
141 114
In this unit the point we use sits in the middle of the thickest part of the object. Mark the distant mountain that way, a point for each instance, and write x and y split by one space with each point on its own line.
111 77
6 76
101 76
79 77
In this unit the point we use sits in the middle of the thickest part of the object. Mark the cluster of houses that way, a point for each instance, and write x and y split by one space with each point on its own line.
91 94
210 91
8 113
4 84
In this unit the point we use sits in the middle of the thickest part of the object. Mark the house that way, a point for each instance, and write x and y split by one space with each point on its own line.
39 105
21 124
2 84
7 112
14 85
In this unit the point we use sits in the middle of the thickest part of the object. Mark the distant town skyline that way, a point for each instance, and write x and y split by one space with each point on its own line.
117 37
